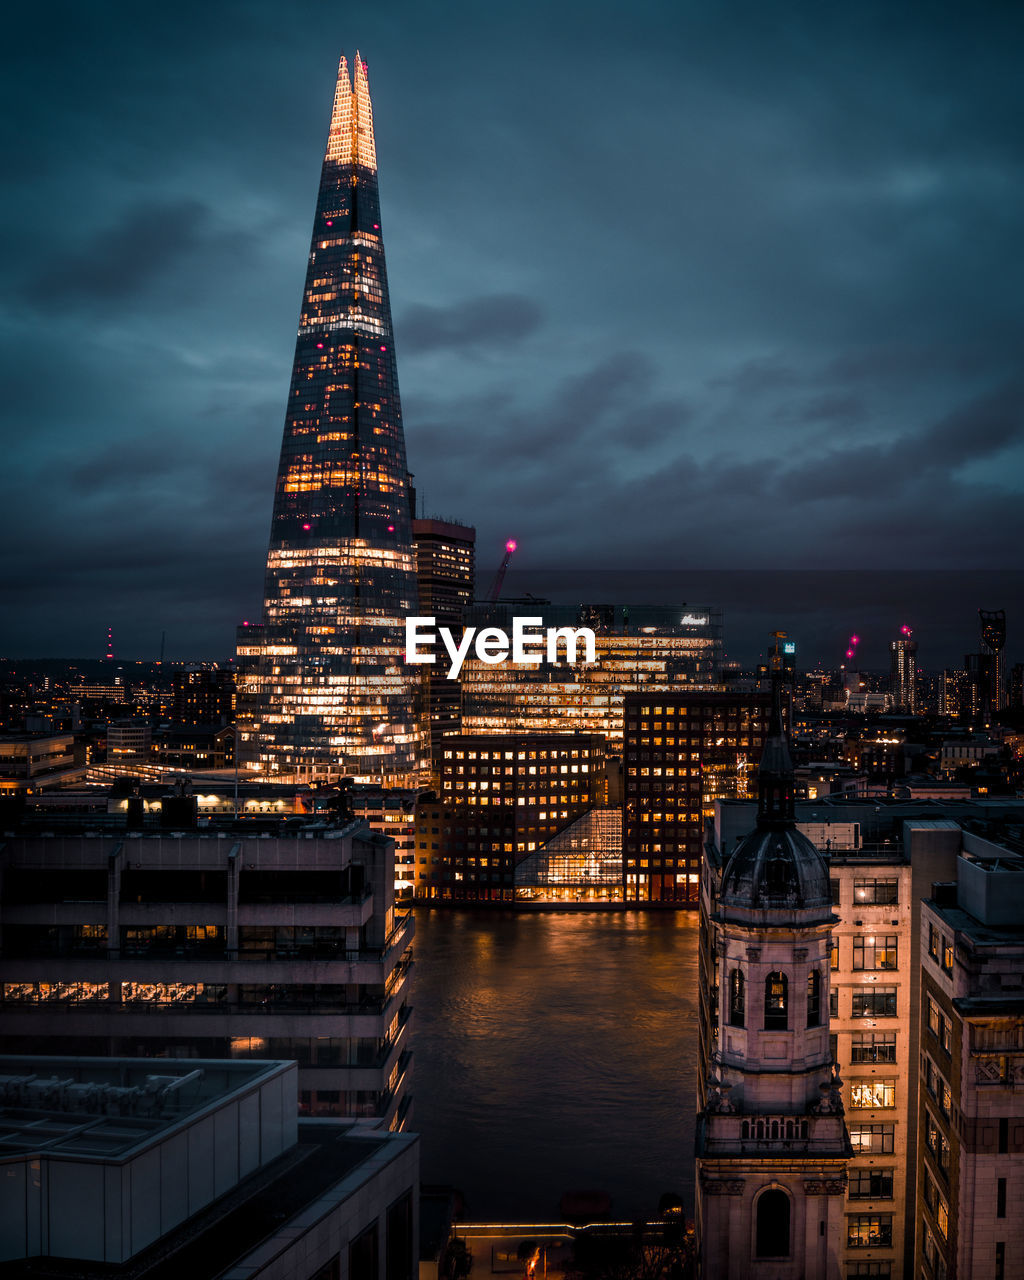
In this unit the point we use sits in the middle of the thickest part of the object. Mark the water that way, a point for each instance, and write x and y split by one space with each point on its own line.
555 1051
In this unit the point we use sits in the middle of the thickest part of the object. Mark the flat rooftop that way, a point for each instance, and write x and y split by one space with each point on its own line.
99 1109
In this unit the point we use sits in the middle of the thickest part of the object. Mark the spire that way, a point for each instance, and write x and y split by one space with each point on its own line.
364 151
775 778
339 141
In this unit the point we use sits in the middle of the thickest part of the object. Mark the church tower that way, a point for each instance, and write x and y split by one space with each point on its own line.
772 1143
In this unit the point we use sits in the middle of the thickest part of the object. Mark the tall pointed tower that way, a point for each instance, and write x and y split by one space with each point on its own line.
323 690
772 1144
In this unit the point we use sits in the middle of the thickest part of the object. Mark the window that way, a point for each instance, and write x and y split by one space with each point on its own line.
835 892
873 1046
875 893
947 955
874 1002
874 952
736 998
933 942
1001 1198
868 1230
881 1269
814 998
833 959
362 1255
776 1013
872 1139
773 1224
871 1094
833 1003
936 1142
939 1025
870 1184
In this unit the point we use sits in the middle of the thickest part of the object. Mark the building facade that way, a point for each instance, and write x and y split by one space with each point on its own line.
445 578
682 752
220 945
323 691
638 649
903 672
772 1145
970 1158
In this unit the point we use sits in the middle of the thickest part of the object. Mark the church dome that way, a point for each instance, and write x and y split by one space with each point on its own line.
775 868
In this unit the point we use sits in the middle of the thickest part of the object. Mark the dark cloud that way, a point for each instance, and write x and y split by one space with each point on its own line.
476 322
700 289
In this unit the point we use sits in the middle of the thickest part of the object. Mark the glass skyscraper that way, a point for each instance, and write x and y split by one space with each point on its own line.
323 690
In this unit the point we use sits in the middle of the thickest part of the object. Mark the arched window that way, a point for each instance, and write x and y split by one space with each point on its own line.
736 998
776 1002
773 1224
814 998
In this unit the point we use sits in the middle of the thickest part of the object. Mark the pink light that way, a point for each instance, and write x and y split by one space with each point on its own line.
376 226
330 222
905 630
854 639
391 528
319 346
849 653
511 545
245 624
307 527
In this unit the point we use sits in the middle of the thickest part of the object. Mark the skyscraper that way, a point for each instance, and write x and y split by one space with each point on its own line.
903 672
323 691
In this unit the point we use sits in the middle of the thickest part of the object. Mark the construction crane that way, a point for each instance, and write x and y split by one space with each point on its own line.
499 577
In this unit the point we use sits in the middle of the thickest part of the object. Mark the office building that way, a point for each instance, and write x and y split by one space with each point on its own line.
32 760
323 691
971 1117
772 1144
993 640
903 672
445 575
203 696
159 1169
682 753
224 944
507 796
638 649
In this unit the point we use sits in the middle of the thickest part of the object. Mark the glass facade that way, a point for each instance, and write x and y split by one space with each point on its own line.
323 690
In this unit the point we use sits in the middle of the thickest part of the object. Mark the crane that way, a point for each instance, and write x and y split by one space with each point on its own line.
499 577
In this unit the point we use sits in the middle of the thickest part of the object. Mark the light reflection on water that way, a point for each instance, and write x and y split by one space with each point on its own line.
555 1051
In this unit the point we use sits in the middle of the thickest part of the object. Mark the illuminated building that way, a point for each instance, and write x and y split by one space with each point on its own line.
34 760
445 571
215 945
203 695
507 795
993 638
322 688
150 1168
970 1133
772 1144
639 649
682 753
392 812
903 672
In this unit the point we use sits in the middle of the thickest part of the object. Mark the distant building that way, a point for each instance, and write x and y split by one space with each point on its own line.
151 1168
245 948
508 796
971 1118
34 760
638 649
682 753
903 673
203 696
129 741
993 639
445 577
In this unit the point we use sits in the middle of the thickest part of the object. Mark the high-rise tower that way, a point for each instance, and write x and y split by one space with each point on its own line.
323 690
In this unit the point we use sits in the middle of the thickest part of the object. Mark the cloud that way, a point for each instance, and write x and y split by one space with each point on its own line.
468 325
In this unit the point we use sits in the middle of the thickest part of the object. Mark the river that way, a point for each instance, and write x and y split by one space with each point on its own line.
555 1051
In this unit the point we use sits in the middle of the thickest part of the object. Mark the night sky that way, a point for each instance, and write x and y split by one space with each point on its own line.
677 286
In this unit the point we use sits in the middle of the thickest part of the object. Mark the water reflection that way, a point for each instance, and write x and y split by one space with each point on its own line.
556 1052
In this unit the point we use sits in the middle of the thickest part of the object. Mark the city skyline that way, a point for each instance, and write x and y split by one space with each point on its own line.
818 297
